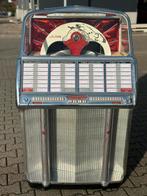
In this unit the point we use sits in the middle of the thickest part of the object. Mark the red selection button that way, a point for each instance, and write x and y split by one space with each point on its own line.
126 90
27 90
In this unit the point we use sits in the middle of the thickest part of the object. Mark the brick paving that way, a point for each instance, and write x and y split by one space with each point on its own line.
12 179
10 29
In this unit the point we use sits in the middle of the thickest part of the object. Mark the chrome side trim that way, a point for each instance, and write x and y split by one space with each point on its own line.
106 147
35 125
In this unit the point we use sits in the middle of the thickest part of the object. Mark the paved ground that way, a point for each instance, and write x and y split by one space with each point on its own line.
12 179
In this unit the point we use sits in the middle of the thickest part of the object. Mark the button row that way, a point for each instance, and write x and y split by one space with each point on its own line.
105 99
47 99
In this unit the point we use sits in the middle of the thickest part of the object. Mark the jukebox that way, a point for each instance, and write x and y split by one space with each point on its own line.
76 87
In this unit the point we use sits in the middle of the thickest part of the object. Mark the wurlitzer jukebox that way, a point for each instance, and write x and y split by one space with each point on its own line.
76 87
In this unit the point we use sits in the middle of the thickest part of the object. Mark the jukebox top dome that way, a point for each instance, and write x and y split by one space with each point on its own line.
49 26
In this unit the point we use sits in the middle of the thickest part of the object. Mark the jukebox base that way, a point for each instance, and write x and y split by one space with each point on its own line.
76 146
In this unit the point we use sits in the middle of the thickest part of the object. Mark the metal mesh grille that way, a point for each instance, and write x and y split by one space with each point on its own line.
77 138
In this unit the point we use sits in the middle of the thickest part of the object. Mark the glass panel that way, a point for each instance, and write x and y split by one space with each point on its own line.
80 34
